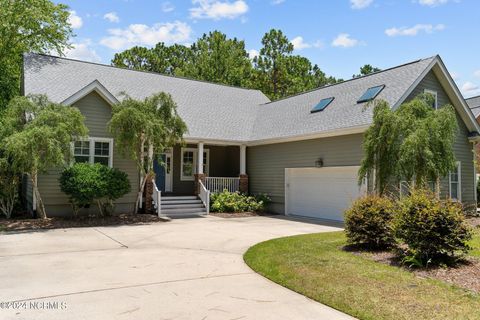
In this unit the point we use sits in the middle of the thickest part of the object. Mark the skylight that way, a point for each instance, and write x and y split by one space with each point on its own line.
322 105
371 93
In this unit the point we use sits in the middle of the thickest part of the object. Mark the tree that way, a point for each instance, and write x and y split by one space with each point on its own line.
28 26
365 70
414 142
41 137
152 124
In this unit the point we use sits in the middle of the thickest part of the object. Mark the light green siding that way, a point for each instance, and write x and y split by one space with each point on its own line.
97 113
266 164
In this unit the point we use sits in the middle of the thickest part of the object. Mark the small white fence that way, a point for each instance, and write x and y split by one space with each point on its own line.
157 199
219 184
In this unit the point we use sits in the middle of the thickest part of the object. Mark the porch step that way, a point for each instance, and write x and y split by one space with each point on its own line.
169 212
169 205
180 202
182 206
179 198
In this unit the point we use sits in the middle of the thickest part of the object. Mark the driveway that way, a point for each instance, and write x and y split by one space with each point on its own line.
184 269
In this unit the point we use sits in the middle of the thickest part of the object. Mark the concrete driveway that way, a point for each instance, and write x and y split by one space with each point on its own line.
184 269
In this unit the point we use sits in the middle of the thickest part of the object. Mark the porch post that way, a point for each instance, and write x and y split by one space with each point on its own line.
243 183
199 176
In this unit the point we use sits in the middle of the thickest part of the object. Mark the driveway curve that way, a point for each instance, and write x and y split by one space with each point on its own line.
184 269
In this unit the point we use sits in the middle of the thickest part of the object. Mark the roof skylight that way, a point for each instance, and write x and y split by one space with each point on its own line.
371 93
322 104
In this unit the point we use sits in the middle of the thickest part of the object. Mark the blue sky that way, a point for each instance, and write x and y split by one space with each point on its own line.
339 36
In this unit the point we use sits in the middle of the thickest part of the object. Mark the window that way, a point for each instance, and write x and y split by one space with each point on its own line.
455 182
371 93
434 94
322 105
189 163
94 150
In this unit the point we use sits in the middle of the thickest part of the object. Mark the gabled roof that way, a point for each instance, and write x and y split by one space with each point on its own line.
474 105
219 113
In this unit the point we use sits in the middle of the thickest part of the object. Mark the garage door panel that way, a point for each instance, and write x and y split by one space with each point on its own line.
321 192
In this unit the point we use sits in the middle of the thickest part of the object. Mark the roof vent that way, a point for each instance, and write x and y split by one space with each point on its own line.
322 105
371 93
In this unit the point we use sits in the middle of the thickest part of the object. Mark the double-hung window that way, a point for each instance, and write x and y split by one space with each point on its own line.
455 182
94 150
189 158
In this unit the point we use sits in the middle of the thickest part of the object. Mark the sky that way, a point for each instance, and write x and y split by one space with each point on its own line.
340 36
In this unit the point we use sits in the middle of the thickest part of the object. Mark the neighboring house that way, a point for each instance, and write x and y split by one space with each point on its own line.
304 151
474 105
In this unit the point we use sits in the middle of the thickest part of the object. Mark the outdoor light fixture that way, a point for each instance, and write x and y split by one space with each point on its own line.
319 163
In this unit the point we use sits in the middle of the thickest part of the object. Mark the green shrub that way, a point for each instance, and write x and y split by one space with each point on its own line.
236 202
369 222
85 183
434 230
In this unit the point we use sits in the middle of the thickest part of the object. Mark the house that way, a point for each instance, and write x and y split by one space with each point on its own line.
304 150
474 105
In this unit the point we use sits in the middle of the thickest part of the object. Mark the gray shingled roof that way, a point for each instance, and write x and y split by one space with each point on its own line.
474 105
220 112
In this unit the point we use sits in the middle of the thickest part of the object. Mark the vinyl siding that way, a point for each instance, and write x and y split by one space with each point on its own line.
97 113
266 164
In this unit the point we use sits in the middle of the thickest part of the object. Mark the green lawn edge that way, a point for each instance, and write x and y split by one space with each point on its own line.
314 265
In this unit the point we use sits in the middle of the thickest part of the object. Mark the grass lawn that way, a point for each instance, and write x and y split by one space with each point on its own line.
314 265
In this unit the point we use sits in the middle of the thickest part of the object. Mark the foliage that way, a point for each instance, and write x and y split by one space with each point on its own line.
85 183
414 141
433 229
217 58
28 26
9 183
369 222
237 202
152 124
366 70
39 136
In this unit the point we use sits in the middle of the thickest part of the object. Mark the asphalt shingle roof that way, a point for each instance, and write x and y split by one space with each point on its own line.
474 105
214 111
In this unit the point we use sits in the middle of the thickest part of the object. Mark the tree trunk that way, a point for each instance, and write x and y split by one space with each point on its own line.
437 188
39 205
142 175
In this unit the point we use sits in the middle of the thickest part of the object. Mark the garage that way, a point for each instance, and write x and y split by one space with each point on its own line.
322 193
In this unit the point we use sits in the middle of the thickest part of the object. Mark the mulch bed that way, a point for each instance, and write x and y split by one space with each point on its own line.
22 224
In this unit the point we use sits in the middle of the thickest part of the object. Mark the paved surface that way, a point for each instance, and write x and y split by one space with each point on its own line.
184 269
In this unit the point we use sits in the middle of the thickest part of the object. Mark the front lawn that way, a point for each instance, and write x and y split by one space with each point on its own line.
316 266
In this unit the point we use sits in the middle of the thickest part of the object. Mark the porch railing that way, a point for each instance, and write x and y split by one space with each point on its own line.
218 184
157 198
204 195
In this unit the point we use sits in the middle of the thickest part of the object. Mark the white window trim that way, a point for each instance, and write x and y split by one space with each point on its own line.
459 184
91 155
435 94
206 168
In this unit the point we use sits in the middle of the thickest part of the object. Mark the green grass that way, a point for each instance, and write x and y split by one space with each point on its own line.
475 243
315 266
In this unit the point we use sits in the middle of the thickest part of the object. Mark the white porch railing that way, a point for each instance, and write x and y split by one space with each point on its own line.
204 195
157 198
218 184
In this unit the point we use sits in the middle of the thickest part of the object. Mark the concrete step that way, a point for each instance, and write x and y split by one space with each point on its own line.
167 205
186 215
179 198
167 202
169 212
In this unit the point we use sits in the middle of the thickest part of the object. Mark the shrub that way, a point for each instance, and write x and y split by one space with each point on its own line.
85 183
236 202
434 230
369 222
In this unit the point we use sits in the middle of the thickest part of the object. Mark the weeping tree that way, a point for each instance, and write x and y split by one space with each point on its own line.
143 129
39 137
412 143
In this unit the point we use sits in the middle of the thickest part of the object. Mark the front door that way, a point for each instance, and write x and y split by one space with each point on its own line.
163 172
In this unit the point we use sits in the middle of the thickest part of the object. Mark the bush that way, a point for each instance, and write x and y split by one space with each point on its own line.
85 183
434 230
369 222
236 202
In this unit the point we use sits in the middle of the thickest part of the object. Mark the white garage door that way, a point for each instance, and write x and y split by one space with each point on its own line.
321 192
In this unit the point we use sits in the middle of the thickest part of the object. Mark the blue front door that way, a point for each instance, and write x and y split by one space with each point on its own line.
160 172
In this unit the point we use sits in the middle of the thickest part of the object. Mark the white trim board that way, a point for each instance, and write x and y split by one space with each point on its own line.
93 86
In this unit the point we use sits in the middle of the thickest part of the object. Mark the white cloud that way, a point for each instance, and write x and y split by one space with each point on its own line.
470 89
141 34
432 3
277 2
455 76
74 20
360 4
216 10
112 17
252 53
413 31
167 6
82 51
299 43
476 73
344 40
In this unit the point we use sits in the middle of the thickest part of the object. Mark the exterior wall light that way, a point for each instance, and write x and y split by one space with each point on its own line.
319 163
